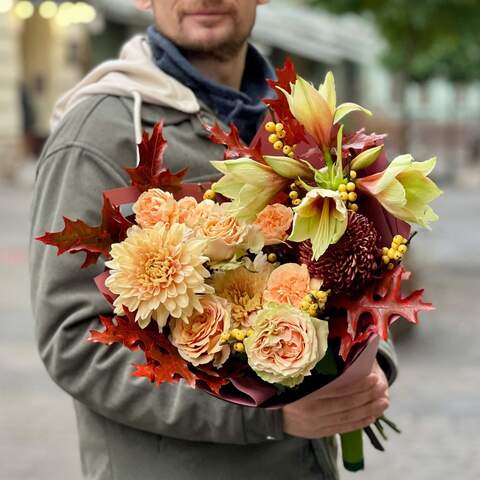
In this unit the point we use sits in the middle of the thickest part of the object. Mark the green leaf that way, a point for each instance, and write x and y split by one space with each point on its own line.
327 365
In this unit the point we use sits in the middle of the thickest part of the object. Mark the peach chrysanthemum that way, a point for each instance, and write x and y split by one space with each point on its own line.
158 272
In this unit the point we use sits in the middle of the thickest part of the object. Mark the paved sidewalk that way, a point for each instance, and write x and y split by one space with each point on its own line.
435 400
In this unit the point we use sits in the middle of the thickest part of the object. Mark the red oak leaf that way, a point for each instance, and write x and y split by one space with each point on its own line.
295 133
151 171
382 303
235 146
163 362
77 236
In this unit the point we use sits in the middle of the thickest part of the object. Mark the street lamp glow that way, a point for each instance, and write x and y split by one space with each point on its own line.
24 9
6 6
84 13
48 9
65 15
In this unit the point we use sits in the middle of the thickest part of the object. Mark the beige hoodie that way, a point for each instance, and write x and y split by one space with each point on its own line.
133 74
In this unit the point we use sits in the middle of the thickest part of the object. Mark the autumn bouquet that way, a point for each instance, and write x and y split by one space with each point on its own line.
276 280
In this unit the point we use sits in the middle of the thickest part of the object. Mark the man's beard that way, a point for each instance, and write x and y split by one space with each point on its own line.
222 52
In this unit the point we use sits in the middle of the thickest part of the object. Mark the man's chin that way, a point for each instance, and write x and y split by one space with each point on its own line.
221 46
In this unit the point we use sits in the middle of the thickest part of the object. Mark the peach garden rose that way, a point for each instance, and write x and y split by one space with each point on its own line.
156 206
199 340
275 221
226 234
286 344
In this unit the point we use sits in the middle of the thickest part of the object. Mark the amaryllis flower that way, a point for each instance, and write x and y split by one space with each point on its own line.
249 184
404 189
286 344
316 109
322 218
158 272
199 341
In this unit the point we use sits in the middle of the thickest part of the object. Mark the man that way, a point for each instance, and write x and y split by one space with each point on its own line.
194 66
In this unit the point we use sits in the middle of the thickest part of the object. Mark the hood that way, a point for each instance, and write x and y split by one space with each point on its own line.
133 73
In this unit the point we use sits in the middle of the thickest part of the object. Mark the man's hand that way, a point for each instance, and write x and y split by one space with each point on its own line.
339 411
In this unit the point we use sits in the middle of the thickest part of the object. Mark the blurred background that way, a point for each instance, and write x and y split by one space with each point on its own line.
416 65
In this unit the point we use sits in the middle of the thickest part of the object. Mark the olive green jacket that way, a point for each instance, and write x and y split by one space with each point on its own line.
129 429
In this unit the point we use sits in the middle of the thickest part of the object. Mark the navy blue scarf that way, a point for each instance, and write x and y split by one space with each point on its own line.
243 107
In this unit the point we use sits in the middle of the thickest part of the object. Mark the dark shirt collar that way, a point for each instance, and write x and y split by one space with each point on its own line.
244 107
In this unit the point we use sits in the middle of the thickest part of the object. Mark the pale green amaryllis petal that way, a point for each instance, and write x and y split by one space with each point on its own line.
346 108
289 167
321 218
366 158
404 189
311 109
328 92
249 184
246 170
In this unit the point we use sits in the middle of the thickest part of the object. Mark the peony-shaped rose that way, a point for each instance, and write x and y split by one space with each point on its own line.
156 206
199 340
158 272
187 211
288 284
286 344
227 235
275 221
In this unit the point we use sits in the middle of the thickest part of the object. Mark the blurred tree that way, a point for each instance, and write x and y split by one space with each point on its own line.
424 39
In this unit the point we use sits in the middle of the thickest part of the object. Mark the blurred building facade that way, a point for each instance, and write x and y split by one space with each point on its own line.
46 56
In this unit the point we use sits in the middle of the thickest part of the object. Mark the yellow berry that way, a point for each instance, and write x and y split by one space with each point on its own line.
279 127
233 333
293 194
352 196
250 332
270 127
278 145
240 336
239 347
273 138
293 186
225 338
354 207
287 149
320 295
350 187
386 259
385 250
342 188
391 253
313 310
272 257
291 154
390 266
353 174
398 255
398 239
402 249
209 195
281 134
344 196
296 202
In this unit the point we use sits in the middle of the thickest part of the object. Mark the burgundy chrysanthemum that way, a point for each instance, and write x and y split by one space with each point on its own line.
350 264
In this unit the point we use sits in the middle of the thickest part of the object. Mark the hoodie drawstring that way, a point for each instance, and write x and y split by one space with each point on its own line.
137 120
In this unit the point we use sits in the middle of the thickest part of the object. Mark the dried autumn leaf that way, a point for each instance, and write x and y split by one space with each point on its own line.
151 171
382 303
235 146
163 362
77 236
294 131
